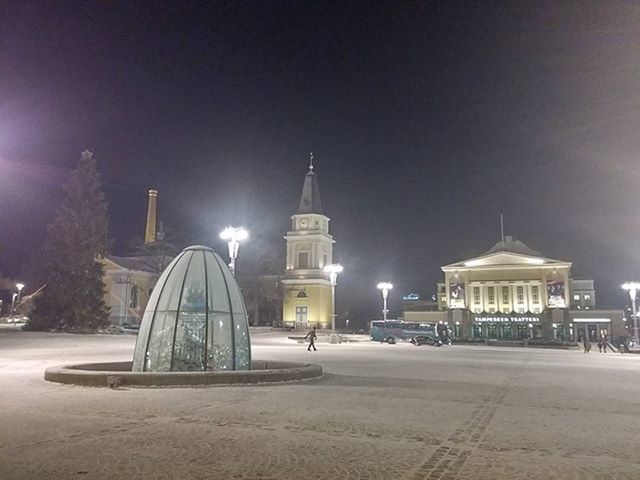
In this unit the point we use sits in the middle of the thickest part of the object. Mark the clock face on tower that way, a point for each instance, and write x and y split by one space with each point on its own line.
304 223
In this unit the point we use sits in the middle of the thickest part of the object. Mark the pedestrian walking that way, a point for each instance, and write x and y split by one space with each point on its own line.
587 345
600 346
604 344
312 338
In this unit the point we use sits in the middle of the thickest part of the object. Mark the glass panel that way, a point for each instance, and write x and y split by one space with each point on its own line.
506 331
189 347
170 295
492 331
218 298
241 338
535 293
520 293
161 342
220 351
522 331
477 331
237 304
143 336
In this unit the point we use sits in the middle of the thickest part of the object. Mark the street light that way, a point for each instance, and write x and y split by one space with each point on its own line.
632 288
19 286
13 303
333 271
233 236
385 287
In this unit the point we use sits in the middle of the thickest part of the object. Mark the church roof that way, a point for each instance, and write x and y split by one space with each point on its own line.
310 198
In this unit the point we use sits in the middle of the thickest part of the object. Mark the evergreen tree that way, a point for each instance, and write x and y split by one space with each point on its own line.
73 299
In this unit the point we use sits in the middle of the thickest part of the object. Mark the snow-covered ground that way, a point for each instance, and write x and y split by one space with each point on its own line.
381 411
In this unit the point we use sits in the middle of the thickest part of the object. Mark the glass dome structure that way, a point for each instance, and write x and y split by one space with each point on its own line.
195 319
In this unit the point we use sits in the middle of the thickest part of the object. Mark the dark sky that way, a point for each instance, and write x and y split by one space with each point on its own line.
426 120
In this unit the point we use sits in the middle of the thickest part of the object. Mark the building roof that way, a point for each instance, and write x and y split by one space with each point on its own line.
510 252
513 245
142 263
310 198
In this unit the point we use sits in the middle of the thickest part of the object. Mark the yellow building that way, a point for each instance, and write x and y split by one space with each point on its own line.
307 289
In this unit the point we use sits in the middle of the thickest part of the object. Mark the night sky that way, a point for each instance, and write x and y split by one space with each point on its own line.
427 120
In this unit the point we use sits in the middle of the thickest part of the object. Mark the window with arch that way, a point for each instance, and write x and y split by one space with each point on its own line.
301 294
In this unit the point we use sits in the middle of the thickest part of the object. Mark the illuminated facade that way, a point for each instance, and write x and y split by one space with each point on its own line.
512 292
508 278
307 289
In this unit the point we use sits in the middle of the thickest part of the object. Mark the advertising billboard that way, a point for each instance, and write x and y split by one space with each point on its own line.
456 295
555 293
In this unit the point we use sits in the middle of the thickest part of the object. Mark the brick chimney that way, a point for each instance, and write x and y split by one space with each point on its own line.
150 234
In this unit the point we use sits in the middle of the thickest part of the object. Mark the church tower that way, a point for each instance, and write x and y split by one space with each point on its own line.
307 289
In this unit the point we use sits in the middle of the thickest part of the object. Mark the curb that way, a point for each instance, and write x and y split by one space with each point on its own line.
115 374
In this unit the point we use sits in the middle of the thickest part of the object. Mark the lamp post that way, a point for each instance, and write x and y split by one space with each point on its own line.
385 287
19 286
333 271
13 303
632 288
233 236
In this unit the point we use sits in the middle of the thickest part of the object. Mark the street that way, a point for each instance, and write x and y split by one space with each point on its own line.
381 412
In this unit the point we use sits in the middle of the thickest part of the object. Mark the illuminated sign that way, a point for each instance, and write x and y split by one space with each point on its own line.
555 291
505 318
456 295
411 297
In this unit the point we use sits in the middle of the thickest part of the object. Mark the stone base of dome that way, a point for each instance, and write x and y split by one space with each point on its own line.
119 374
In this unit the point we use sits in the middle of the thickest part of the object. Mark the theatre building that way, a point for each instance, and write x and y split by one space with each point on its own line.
512 292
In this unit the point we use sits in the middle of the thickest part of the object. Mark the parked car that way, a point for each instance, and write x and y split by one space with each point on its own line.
420 340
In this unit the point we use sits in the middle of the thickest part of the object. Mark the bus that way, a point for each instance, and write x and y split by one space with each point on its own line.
392 331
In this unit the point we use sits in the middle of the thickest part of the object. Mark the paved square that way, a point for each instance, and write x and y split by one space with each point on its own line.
380 412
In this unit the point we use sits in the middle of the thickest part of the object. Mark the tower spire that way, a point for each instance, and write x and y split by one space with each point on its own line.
310 198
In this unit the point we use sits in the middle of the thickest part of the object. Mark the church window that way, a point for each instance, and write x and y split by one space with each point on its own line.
303 260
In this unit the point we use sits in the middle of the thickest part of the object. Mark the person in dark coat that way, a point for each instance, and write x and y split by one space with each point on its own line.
587 345
312 338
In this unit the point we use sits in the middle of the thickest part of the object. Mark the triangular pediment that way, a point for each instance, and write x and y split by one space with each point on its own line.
505 259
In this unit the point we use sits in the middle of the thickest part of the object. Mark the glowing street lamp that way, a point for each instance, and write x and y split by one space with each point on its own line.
233 236
385 287
19 286
333 271
632 288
